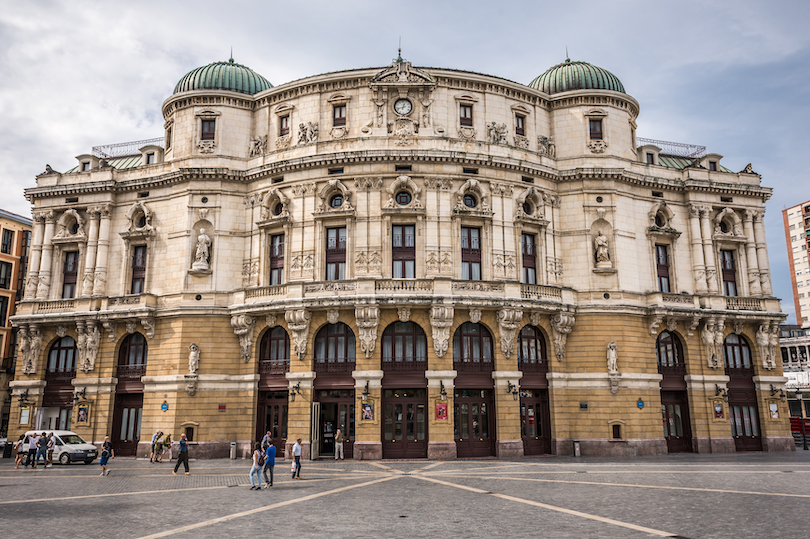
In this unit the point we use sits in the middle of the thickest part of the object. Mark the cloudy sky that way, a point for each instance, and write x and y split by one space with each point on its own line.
729 75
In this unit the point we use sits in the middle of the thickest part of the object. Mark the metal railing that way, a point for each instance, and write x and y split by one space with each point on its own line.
404 366
477 365
333 365
131 372
122 149
679 149
270 368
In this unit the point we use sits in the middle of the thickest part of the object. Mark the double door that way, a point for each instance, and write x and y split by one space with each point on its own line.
404 423
333 410
474 413
675 418
272 417
535 422
127 416
744 413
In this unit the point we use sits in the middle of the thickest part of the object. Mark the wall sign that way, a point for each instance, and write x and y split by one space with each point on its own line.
441 410
164 406
718 410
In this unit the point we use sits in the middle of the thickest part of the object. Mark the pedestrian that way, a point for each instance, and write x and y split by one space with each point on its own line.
167 447
296 471
258 464
42 449
269 463
107 453
338 444
152 447
51 447
267 440
19 445
159 448
32 450
182 455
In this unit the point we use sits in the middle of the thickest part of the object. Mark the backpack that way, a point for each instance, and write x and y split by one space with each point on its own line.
262 458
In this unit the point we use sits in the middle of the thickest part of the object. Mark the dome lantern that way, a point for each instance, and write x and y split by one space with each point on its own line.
569 76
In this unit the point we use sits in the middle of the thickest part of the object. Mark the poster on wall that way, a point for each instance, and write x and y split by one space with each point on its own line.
441 410
774 410
368 410
718 410
84 415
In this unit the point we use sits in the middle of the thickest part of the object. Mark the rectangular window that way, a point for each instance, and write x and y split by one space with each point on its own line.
529 248
208 129
596 129
138 269
8 242
713 166
470 253
69 274
22 270
277 259
335 254
729 269
403 251
339 115
465 113
150 158
520 125
5 275
284 125
662 268
85 166
650 159
3 310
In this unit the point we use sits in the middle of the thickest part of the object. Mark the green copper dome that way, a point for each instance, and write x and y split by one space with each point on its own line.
569 76
228 76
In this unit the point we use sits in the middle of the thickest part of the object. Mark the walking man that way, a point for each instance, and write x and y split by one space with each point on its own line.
182 455
269 462
297 455
106 454
338 444
152 447
51 447
42 449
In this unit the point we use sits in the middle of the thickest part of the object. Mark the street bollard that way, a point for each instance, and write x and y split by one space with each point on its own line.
576 449
233 450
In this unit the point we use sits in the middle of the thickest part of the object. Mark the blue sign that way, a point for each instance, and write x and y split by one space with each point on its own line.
164 406
640 403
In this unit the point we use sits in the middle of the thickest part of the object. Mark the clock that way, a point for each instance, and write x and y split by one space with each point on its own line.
403 107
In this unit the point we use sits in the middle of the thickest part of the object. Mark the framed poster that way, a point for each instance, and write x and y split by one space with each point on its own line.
774 409
83 416
441 410
368 410
718 410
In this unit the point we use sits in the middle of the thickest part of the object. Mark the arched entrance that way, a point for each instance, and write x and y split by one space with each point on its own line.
674 397
404 421
742 394
535 420
333 405
474 395
274 363
128 409
57 402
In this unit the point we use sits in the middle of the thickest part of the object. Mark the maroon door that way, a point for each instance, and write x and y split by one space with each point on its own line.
675 417
474 412
404 423
272 416
336 412
744 413
127 423
535 422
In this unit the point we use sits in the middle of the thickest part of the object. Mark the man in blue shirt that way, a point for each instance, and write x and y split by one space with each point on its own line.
269 462
182 456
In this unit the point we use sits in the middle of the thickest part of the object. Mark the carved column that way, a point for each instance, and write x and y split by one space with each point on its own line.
36 255
100 276
751 254
44 285
90 258
298 324
441 318
367 318
708 252
509 321
697 250
762 253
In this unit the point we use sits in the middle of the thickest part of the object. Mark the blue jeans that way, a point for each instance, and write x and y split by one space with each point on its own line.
297 467
43 452
255 471
264 473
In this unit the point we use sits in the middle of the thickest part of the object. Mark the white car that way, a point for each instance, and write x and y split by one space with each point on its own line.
70 447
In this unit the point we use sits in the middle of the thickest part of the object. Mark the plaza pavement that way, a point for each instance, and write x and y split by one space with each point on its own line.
693 496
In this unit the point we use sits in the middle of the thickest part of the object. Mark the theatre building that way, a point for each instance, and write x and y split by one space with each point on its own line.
442 264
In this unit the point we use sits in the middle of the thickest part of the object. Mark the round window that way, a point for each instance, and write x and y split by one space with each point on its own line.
74 228
336 201
724 227
659 220
599 199
403 198
470 201
278 208
527 208
141 221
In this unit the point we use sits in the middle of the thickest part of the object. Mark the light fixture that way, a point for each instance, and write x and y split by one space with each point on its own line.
781 392
720 391
23 398
442 391
366 391
513 389
79 395
295 390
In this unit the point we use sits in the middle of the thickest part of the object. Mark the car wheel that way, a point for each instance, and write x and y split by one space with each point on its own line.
64 458
88 462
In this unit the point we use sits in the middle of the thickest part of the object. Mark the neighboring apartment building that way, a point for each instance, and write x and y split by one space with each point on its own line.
794 342
441 263
15 240
797 236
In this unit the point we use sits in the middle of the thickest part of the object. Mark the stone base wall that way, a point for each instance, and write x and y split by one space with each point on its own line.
202 450
441 450
305 450
778 443
507 449
611 448
367 450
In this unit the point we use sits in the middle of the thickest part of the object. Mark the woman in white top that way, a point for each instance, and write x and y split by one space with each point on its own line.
256 467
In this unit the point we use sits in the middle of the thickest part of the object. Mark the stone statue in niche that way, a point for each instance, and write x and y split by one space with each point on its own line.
602 252
612 358
193 358
202 256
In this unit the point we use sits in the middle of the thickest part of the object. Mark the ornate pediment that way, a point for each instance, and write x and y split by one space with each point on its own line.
139 222
402 73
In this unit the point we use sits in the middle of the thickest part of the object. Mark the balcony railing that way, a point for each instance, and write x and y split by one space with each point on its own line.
333 365
125 148
743 304
266 291
131 372
55 306
474 366
273 368
404 285
533 291
404 366
533 366
678 369
678 298
59 376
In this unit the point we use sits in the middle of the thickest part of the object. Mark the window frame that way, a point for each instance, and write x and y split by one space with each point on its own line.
465 114
662 269
138 271
326 344
335 256
394 357
70 278
596 134
208 134
528 259
520 124
7 243
276 263
471 255
729 274
464 348
403 253
339 114
532 340
284 125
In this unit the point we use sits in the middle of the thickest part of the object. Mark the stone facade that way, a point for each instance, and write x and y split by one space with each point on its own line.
451 215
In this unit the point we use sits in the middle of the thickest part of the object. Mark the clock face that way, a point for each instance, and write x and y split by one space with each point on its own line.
403 106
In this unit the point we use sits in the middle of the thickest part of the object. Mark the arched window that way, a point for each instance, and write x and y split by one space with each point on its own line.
404 347
532 351
472 348
736 353
334 348
274 352
62 359
670 354
132 357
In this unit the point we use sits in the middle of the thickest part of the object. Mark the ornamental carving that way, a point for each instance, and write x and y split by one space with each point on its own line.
329 287
546 146
301 264
403 129
441 319
521 142
368 184
712 337
258 146
283 142
367 318
612 358
270 320
298 324
111 328
561 326
439 263
404 314
496 133
30 347
206 146
443 184
655 322
307 133
404 183
504 264
148 327
327 192
733 223
475 187
90 345
243 328
70 227
367 262
597 146
768 344
474 286
554 269
303 189
475 315
693 325
466 133
501 189
139 222
332 316
270 199
529 205
509 321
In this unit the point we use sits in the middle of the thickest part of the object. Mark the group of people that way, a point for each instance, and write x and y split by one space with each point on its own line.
264 460
161 447
38 446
